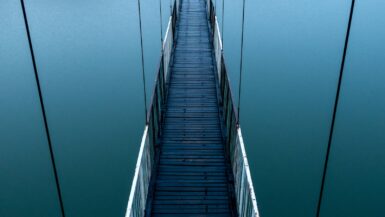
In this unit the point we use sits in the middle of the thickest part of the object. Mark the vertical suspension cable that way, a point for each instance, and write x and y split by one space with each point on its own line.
241 61
161 25
223 21
143 71
51 152
335 109
215 8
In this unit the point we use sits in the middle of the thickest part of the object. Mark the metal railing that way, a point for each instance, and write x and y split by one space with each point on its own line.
244 190
149 145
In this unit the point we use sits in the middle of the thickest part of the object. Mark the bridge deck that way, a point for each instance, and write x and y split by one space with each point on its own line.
192 177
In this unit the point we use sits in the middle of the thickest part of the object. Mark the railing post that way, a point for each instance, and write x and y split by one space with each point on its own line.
157 114
222 82
161 79
159 109
226 99
152 116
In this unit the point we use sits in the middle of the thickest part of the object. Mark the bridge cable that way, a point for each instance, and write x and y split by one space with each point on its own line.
215 8
51 152
142 55
223 20
335 109
161 25
241 61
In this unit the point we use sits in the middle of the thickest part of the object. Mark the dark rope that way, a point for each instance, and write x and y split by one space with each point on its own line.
143 74
241 61
335 109
43 110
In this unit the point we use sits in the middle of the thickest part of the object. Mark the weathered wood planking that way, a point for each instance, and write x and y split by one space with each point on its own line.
192 175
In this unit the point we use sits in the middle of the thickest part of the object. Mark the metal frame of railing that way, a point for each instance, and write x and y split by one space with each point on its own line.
146 163
244 190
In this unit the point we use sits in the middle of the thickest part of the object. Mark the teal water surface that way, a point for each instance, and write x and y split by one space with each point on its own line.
88 58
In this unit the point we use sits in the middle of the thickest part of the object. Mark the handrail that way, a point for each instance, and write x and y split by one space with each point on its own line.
134 207
146 161
243 184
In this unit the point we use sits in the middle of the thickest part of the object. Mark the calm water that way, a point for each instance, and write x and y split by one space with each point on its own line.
88 59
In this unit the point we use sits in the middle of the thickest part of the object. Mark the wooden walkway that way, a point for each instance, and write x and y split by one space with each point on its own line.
193 175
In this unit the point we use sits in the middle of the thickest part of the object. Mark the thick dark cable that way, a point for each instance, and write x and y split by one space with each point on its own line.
43 110
143 72
241 61
335 109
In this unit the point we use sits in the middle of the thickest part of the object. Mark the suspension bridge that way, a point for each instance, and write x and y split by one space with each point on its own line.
192 160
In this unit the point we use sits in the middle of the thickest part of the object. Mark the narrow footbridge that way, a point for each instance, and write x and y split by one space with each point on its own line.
192 160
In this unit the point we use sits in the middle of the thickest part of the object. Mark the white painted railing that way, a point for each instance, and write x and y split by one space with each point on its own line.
168 44
217 47
139 189
244 190
146 159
